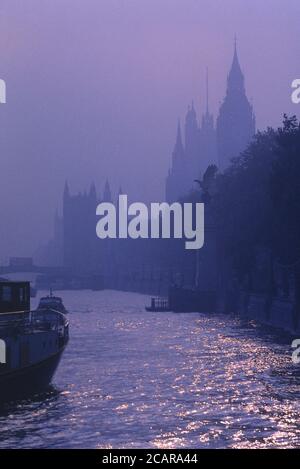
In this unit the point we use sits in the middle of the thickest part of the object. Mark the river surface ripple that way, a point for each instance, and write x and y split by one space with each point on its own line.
131 379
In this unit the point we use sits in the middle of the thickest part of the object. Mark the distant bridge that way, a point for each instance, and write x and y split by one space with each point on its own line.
13 269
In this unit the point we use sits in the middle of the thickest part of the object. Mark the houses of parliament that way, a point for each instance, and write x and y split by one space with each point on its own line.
76 247
209 143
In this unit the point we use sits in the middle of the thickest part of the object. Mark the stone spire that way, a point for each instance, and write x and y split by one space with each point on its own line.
178 152
236 122
235 79
191 133
93 192
207 118
66 191
207 111
107 192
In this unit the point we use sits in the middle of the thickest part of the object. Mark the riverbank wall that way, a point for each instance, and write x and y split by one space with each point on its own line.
275 312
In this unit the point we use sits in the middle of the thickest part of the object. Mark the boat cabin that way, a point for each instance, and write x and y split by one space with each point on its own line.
14 296
54 302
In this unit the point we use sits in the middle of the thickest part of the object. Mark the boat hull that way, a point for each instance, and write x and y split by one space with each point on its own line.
29 380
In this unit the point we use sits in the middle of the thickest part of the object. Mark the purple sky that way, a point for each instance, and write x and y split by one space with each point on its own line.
95 88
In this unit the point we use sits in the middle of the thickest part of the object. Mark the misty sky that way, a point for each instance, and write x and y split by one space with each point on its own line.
95 88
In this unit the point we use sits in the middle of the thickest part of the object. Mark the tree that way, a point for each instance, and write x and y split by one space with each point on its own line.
243 204
285 195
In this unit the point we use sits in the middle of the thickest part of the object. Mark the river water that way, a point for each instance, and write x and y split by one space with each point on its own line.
131 379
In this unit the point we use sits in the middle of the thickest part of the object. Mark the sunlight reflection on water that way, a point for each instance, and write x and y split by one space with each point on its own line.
135 379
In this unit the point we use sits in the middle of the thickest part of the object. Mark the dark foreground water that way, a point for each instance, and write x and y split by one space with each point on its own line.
135 379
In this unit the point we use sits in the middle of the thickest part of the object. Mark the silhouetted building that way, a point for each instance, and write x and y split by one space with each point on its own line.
51 253
136 264
206 143
79 225
107 192
189 161
236 121
83 251
175 184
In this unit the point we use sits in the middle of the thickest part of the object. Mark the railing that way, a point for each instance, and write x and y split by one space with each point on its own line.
159 303
30 321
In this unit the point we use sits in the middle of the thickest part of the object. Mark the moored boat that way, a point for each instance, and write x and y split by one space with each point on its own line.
31 342
159 305
53 303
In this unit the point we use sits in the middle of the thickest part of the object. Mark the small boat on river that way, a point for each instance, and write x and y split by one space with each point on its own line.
52 302
159 305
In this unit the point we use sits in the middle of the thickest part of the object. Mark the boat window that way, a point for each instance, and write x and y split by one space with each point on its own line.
22 295
6 293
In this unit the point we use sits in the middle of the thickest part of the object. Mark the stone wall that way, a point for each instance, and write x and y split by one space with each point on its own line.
275 312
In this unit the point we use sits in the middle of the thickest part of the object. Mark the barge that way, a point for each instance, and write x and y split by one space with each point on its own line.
31 342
